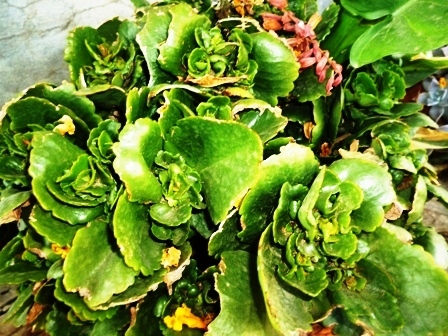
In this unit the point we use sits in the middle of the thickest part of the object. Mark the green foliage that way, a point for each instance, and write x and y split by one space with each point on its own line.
199 177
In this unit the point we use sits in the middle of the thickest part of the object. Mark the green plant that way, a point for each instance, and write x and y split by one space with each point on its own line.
231 168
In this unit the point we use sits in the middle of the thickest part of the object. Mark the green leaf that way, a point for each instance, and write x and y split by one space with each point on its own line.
376 184
51 156
41 112
94 267
141 287
113 326
421 286
11 249
137 104
329 18
267 121
295 164
146 323
277 68
307 87
76 53
239 291
287 311
101 139
153 33
65 95
135 152
22 271
181 39
55 230
225 238
226 154
58 324
11 202
74 301
131 226
401 29
20 307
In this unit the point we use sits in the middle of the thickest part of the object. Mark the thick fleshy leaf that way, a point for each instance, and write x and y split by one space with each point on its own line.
76 54
153 33
288 312
146 323
57 323
139 144
11 249
113 326
94 267
65 95
51 156
421 286
17 312
295 164
137 104
41 112
75 301
141 287
225 153
277 68
267 121
11 202
55 230
376 184
225 238
22 271
181 39
131 224
401 28
239 291
307 86
101 139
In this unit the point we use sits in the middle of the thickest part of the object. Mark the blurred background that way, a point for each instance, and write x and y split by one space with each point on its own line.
33 37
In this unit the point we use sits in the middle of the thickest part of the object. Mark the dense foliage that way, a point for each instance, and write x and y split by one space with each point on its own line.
240 167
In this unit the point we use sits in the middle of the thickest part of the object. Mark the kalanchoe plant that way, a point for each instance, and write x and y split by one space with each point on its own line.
230 168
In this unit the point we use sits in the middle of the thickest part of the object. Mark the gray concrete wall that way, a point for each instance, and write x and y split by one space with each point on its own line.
33 37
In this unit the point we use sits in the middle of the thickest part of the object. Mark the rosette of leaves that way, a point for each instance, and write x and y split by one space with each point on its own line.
107 55
40 107
74 186
375 91
318 227
217 60
180 43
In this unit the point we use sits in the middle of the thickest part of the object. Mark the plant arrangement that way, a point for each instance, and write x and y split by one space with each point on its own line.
240 167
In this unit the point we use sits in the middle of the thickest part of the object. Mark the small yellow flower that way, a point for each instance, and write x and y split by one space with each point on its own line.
170 257
66 126
183 315
60 250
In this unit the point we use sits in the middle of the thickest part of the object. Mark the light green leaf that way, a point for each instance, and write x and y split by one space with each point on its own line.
94 267
277 68
421 286
401 29
288 313
153 33
239 291
295 164
225 153
131 226
180 40
225 238
135 152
